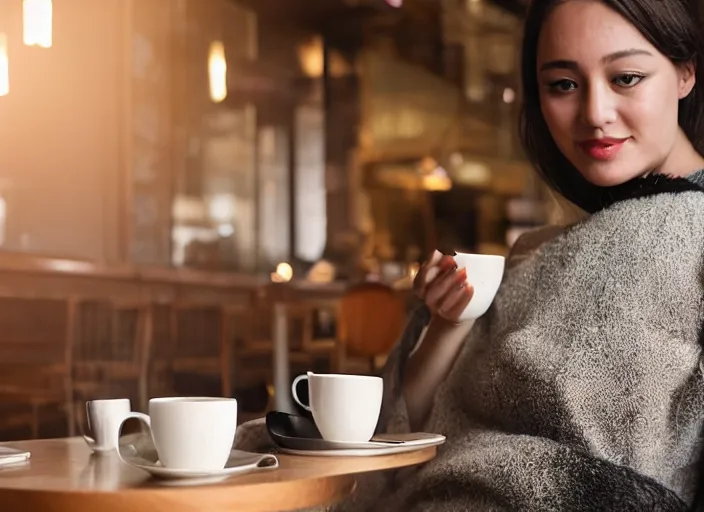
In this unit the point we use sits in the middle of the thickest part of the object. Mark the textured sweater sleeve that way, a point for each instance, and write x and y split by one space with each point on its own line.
394 415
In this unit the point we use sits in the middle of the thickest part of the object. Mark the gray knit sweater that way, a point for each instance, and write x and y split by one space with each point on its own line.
581 389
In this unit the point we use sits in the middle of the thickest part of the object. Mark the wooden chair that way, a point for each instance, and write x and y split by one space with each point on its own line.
36 345
247 353
252 350
160 374
370 319
112 350
197 345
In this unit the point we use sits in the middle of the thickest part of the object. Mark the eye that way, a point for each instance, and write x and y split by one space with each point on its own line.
627 79
563 85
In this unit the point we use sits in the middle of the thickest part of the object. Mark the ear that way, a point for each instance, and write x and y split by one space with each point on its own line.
687 78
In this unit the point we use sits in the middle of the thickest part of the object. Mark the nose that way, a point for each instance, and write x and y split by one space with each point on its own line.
598 107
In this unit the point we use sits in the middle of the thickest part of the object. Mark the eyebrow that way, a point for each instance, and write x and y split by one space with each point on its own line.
570 64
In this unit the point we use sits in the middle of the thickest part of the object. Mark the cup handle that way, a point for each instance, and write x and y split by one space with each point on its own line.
89 436
295 394
143 418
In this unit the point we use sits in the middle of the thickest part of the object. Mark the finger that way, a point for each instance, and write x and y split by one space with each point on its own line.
430 275
445 282
442 286
435 266
453 311
445 265
452 298
434 258
420 279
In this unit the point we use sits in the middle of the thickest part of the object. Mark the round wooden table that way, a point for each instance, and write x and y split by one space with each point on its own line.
64 475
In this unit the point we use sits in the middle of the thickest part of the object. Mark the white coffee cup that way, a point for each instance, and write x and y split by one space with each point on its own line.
195 433
345 407
104 420
484 273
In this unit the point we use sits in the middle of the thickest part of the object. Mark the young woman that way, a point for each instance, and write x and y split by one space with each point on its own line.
582 388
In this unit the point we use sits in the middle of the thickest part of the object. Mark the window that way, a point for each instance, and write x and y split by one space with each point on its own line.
274 196
311 219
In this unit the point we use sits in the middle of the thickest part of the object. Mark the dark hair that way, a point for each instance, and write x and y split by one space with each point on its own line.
672 26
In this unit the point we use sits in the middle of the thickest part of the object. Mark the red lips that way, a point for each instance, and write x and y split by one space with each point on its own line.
603 149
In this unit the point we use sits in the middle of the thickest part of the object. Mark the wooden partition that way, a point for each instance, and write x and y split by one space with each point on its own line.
28 275
119 316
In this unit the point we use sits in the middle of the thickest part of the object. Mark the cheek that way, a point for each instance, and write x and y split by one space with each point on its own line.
560 115
652 117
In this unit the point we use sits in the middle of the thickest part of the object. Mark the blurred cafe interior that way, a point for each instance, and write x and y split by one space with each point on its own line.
210 197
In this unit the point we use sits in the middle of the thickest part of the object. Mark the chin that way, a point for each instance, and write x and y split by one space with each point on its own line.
607 174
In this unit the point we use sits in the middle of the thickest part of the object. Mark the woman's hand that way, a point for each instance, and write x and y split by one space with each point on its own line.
443 287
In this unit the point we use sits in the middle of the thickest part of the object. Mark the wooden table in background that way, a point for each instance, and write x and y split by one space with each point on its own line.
64 475
281 295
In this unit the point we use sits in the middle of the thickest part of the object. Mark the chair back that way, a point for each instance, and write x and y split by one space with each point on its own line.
371 319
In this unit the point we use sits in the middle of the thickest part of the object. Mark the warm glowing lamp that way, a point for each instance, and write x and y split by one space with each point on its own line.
310 56
285 271
37 18
217 72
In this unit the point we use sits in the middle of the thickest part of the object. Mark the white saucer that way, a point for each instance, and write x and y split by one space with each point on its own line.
402 443
239 463
142 455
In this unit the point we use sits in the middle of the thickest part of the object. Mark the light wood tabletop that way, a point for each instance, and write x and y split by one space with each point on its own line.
64 475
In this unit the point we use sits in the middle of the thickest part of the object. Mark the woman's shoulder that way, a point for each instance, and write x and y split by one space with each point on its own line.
532 240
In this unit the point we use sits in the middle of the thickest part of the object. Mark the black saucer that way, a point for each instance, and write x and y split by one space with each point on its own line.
299 433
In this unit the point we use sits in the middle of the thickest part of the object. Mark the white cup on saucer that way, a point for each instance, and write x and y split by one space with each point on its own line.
345 408
191 433
484 273
104 420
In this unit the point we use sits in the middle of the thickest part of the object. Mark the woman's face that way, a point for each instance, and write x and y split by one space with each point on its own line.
608 96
